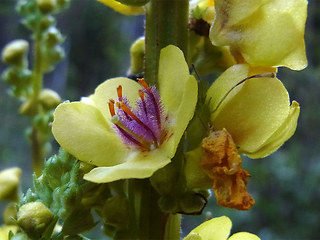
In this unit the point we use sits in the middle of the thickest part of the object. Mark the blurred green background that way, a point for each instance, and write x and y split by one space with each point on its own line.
285 185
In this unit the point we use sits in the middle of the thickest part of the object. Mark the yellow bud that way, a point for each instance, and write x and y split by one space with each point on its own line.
14 52
29 108
46 6
4 231
49 99
33 218
9 213
137 56
9 182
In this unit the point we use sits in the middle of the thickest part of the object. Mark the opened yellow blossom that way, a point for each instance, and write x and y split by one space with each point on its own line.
257 113
218 229
122 8
250 114
263 32
130 142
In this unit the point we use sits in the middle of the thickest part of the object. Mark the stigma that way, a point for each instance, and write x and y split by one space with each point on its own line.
145 126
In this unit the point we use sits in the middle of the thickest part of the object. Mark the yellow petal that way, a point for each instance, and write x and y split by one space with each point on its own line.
285 131
138 165
214 229
223 84
266 33
244 236
254 113
108 90
178 90
122 8
82 130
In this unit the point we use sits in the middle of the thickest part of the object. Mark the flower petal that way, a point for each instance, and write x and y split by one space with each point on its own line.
214 229
122 8
286 130
136 165
266 33
82 130
178 90
244 236
254 113
108 90
221 86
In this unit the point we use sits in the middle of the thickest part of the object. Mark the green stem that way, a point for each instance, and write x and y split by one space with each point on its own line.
37 71
37 146
166 23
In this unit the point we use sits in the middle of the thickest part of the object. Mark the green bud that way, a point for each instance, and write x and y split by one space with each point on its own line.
29 108
46 22
15 52
116 212
46 6
9 213
49 99
137 52
192 203
168 204
9 182
34 218
134 2
53 37
18 77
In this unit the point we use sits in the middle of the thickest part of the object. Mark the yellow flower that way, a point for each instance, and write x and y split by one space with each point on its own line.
264 32
250 114
4 231
122 8
257 113
127 142
218 229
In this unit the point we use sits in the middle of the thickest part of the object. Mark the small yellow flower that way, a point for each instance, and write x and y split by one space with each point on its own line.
127 142
122 8
218 229
257 113
264 32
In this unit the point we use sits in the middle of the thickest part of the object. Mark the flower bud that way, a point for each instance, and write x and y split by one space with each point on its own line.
34 218
46 6
53 37
49 99
14 52
192 203
137 52
9 181
46 22
9 213
116 212
29 108
4 231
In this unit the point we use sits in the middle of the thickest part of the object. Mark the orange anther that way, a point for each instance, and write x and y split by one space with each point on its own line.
119 91
127 110
111 107
142 82
141 94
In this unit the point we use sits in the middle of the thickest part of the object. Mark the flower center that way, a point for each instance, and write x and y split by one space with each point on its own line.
144 126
